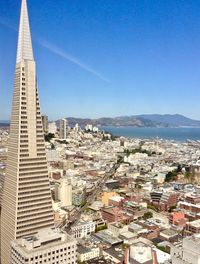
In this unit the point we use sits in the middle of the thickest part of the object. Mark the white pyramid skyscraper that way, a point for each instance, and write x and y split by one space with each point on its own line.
26 205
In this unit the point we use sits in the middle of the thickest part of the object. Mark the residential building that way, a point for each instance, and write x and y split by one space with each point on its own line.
52 128
192 211
193 227
45 123
169 235
65 192
193 198
177 218
168 200
112 214
63 128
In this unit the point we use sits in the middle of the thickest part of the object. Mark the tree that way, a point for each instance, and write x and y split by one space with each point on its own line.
147 215
172 208
179 168
152 207
137 150
171 176
48 137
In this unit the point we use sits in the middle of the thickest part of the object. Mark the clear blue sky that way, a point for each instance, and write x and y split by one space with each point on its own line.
107 57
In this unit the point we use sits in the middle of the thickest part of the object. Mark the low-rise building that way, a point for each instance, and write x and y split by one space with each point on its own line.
47 246
117 228
85 253
193 227
169 235
112 214
115 254
83 229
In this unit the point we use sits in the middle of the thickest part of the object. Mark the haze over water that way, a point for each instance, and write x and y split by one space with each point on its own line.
178 134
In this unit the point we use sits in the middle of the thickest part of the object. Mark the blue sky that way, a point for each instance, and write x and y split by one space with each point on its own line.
100 58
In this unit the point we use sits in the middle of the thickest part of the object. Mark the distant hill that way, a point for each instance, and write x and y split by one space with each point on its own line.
134 121
139 121
173 120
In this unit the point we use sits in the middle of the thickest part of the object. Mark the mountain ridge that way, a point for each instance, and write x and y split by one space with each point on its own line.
144 120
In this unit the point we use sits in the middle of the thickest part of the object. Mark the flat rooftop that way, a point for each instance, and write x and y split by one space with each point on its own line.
46 238
195 223
107 237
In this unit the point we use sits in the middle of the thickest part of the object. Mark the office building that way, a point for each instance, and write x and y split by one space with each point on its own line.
46 246
26 204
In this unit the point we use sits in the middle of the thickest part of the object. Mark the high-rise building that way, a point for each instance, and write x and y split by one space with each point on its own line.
63 128
26 204
45 123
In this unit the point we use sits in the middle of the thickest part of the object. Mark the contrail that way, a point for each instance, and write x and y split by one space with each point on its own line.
61 53
70 58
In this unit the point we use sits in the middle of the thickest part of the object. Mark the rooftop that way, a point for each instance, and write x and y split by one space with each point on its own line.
45 238
195 223
107 237
116 252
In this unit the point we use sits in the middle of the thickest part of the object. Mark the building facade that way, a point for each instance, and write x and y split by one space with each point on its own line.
83 229
85 254
26 203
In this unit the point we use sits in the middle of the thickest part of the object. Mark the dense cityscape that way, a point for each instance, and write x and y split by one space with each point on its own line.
121 200
83 195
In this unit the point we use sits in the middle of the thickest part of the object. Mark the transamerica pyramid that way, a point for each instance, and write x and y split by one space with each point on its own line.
26 204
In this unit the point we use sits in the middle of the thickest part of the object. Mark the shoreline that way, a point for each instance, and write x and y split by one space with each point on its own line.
178 134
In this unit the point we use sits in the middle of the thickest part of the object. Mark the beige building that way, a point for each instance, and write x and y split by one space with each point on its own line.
26 204
186 252
87 253
106 196
52 128
63 128
47 246
65 192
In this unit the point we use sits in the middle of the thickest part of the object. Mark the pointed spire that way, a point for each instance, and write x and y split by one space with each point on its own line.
24 49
